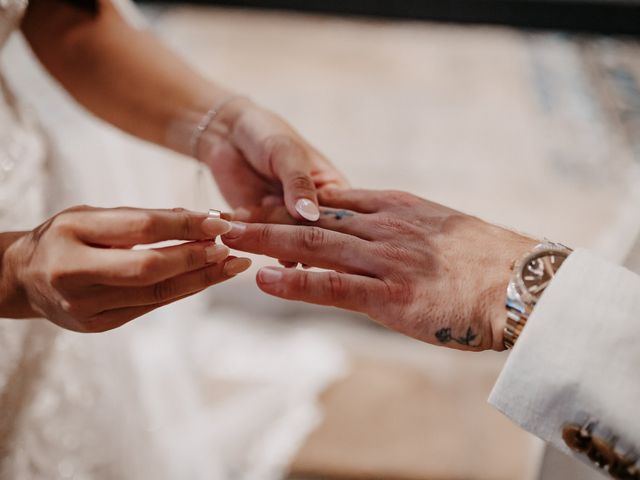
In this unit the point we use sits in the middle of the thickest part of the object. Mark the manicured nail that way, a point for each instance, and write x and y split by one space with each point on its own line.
236 231
235 266
270 275
215 226
241 214
216 253
308 209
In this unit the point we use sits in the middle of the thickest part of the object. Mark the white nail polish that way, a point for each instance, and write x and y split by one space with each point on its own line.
215 227
270 274
235 266
307 209
241 214
216 253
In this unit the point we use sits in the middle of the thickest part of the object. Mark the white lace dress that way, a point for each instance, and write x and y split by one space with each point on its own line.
58 399
191 392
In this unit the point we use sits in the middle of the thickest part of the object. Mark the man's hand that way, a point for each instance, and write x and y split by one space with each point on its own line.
417 267
255 155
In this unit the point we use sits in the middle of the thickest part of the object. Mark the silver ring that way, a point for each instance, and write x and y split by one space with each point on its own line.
217 214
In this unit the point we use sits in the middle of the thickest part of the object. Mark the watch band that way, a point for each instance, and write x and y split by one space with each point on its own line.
517 317
519 309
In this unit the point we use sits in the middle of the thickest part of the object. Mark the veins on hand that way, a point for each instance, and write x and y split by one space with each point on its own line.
337 214
444 335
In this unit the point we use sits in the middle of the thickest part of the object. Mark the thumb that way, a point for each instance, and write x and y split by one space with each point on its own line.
292 166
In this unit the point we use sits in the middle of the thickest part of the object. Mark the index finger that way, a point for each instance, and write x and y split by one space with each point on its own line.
313 246
125 227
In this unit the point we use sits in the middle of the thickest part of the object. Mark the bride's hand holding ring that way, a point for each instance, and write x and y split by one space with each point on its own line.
79 269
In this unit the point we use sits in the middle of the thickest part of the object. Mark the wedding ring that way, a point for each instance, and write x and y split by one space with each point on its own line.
217 214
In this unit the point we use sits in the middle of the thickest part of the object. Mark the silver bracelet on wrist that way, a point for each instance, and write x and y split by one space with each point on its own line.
205 121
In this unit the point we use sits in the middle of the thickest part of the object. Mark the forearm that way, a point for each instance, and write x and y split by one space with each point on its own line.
13 301
120 73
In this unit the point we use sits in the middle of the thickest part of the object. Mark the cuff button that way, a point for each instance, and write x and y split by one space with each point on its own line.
576 438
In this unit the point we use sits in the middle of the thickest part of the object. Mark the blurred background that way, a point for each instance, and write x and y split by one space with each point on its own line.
537 129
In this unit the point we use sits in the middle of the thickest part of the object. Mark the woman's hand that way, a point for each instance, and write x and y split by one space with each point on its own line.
255 156
417 267
79 270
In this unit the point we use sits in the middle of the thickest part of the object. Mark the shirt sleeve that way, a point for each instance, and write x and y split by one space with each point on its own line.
578 356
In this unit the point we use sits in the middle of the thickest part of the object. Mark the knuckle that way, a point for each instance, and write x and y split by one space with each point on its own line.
328 195
281 147
145 225
185 225
393 225
395 253
194 258
400 292
400 198
335 286
302 282
148 266
58 277
300 181
75 310
78 208
162 291
312 238
264 234
63 222
209 276
279 143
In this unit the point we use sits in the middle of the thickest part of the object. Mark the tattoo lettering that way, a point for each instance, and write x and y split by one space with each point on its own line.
444 336
338 214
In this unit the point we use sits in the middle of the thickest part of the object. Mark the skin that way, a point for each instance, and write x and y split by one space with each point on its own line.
90 280
412 265
125 76
79 271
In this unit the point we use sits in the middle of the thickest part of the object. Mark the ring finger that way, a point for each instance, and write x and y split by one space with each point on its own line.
108 298
312 246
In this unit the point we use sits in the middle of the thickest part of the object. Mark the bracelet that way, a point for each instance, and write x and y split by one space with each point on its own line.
205 121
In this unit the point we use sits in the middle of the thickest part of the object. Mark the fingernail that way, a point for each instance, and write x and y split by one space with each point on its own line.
241 214
215 226
270 274
307 209
216 253
235 266
236 230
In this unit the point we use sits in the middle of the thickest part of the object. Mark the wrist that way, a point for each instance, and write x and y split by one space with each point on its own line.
13 299
193 121
512 250
532 274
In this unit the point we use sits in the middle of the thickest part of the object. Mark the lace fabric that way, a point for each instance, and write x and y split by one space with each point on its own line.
54 394
191 391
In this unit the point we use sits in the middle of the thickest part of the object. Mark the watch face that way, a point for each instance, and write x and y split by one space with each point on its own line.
539 270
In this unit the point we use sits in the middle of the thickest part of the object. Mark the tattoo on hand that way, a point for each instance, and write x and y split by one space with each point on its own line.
444 336
338 214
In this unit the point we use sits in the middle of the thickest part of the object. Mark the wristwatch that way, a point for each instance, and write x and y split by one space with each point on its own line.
531 275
